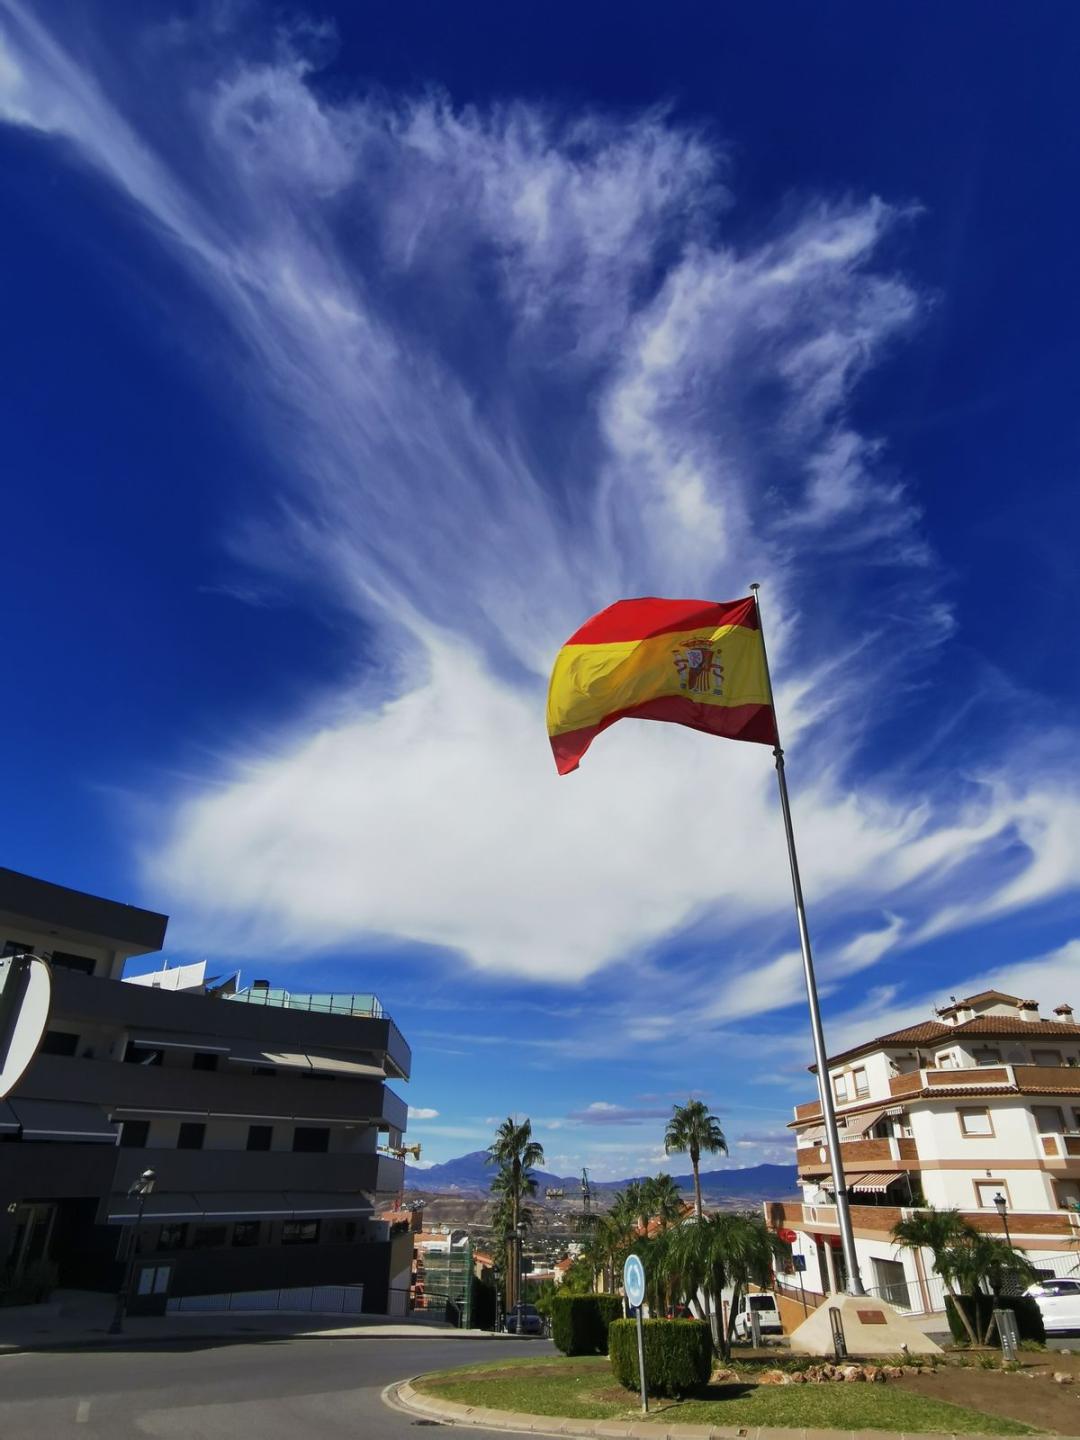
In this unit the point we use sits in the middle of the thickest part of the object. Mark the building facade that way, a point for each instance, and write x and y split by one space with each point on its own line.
265 1117
977 1110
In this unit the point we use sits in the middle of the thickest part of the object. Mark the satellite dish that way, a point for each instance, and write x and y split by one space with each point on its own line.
25 996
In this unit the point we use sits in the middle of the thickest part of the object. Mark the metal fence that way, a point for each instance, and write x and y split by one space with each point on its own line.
337 1004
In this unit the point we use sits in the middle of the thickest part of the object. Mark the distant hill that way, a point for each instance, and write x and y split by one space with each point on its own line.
470 1174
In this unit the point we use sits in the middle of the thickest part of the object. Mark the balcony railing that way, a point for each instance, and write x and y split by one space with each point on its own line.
882 1218
338 1004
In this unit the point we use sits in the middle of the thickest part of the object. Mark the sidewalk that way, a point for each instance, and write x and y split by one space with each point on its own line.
79 1319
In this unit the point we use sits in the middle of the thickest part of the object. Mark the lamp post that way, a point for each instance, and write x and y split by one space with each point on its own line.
142 1187
520 1272
1001 1205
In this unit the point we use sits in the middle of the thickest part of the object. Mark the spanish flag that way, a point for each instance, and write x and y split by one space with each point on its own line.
694 662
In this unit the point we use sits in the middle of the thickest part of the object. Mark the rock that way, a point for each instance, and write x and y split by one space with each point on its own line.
798 1377
723 1377
773 1377
891 1372
874 1374
851 1374
1062 1377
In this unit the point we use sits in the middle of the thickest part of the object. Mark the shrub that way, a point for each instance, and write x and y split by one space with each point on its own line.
579 1323
979 1307
678 1355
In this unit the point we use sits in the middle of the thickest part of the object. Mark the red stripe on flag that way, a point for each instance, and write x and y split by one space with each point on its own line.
734 722
641 619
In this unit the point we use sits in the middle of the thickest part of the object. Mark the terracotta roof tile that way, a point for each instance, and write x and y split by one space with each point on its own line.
931 1031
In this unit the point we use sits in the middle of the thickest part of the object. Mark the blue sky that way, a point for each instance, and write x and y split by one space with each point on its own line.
354 355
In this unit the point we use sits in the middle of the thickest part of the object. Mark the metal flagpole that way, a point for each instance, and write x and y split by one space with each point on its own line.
832 1136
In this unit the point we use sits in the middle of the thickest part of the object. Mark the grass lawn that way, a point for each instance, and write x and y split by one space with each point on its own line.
583 1389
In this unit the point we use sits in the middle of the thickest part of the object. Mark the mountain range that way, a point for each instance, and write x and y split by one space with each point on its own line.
471 1174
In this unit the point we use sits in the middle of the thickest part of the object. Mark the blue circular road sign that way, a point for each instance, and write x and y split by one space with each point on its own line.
633 1279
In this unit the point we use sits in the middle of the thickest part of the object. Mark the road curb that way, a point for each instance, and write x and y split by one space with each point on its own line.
404 1396
172 1337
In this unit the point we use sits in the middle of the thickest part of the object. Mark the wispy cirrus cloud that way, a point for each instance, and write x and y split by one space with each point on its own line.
603 1112
509 365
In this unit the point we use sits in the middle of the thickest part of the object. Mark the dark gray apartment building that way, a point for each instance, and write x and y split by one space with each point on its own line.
261 1113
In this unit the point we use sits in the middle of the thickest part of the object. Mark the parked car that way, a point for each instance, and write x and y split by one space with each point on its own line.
1058 1300
764 1306
532 1322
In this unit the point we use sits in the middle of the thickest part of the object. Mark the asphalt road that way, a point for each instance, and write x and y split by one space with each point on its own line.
272 1389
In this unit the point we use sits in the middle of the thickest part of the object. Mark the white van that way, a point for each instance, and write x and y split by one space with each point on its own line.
764 1307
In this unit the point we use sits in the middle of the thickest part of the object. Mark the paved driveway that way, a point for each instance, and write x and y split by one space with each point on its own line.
286 1388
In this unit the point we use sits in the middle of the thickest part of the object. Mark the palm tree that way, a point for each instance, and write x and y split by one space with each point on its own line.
665 1201
691 1130
515 1152
949 1238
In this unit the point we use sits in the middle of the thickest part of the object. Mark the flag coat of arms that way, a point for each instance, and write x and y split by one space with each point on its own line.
699 663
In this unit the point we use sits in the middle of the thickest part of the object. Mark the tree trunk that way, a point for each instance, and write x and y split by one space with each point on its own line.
695 1161
736 1301
964 1318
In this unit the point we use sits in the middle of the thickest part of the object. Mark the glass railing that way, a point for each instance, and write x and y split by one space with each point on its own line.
337 1004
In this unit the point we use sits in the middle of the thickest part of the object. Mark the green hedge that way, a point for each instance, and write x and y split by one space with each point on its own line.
579 1323
678 1355
977 1308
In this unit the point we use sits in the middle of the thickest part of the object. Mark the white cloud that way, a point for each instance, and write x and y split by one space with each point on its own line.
702 391
421 1112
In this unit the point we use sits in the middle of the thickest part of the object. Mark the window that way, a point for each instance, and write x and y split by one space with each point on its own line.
946 1060
134 1134
839 1086
141 1055
192 1134
1047 1057
259 1137
975 1122
861 1085
891 1283
311 1139
300 1232
987 1191
61 960
246 1232
59 1042
1067 1194
204 1060
172 1237
1048 1119
341 1232
987 1057
207 1237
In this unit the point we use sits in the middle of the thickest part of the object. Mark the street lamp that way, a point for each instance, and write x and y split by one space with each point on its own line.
1001 1205
141 1188
520 1272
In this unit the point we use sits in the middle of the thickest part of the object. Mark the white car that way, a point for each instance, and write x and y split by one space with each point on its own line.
1058 1300
764 1306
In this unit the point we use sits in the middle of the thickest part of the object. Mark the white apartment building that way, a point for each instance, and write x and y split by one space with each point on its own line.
977 1110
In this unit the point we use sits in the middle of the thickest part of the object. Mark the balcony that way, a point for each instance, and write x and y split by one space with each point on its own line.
854 1152
881 1219
351 1024
197 1093
259 1170
336 1004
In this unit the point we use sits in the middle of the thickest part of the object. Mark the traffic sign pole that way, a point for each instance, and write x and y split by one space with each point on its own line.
641 1362
634 1285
